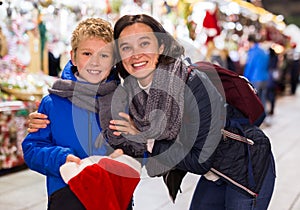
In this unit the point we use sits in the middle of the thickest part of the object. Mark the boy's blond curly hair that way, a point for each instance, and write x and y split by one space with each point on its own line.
92 28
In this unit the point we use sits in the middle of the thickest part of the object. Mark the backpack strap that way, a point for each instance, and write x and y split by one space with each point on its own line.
237 123
234 182
236 137
248 143
188 62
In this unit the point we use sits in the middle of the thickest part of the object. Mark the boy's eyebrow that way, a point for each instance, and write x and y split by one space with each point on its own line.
84 48
99 50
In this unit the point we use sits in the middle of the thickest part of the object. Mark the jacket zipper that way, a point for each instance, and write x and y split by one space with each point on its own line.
89 134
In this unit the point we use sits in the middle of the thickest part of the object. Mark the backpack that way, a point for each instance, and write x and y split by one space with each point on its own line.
236 89
243 154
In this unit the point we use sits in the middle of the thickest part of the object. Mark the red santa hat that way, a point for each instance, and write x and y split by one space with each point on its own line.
101 182
210 23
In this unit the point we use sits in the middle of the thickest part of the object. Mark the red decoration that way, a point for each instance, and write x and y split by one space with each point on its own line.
210 22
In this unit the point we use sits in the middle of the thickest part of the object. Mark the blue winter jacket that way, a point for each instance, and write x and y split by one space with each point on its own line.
257 65
73 130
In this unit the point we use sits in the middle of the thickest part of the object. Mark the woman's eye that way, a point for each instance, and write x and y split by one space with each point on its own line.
125 48
145 44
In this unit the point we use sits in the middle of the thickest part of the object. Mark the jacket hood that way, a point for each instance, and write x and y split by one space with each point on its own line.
67 72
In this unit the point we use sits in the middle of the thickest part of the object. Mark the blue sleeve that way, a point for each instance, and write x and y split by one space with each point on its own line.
249 66
40 152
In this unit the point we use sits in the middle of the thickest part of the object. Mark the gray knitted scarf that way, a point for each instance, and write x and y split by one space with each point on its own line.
158 114
95 98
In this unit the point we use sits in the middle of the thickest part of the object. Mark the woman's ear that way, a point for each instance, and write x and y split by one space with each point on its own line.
161 49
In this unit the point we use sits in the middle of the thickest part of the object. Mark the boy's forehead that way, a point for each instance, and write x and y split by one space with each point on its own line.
96 39
95 44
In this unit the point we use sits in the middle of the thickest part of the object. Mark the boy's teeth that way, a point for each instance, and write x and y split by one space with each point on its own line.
94 71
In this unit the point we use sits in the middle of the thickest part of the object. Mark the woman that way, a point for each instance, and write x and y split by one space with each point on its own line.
178 113
152 58
136 36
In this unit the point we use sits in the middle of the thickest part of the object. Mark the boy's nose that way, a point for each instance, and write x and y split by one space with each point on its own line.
95 59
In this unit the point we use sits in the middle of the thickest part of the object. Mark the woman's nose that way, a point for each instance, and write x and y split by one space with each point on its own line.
136 55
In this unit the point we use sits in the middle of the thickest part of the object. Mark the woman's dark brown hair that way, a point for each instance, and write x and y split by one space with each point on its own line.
172 49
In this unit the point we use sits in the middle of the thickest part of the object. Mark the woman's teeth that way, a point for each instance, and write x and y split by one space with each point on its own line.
139 64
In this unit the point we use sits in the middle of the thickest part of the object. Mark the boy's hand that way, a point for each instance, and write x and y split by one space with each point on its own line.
36 121
73 158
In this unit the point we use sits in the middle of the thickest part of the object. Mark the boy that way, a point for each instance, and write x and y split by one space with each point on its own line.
73 108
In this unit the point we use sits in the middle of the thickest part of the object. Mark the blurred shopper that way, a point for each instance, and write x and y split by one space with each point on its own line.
272 84
54 57
293 69
256 68
3 44
290 73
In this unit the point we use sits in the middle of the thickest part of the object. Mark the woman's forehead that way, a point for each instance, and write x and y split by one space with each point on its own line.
136 28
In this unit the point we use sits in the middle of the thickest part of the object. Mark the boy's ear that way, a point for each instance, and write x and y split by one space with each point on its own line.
72 53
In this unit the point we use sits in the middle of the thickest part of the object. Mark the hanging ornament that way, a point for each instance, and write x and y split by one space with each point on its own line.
45 3
210 23
108 7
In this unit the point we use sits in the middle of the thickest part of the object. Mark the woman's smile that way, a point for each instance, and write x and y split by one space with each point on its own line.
139 65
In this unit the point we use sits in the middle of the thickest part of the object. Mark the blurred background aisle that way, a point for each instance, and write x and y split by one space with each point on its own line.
285 137
34 48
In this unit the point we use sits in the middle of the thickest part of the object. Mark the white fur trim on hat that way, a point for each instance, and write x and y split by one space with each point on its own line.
133 163
72 169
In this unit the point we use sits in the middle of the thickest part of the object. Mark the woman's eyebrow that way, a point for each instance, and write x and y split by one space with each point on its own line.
140 38
122 44
145 37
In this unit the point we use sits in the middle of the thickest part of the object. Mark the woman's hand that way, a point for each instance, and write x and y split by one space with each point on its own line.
36 121
125 126
116 153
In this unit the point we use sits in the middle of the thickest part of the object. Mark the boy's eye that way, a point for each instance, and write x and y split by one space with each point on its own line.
104 55
87 53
